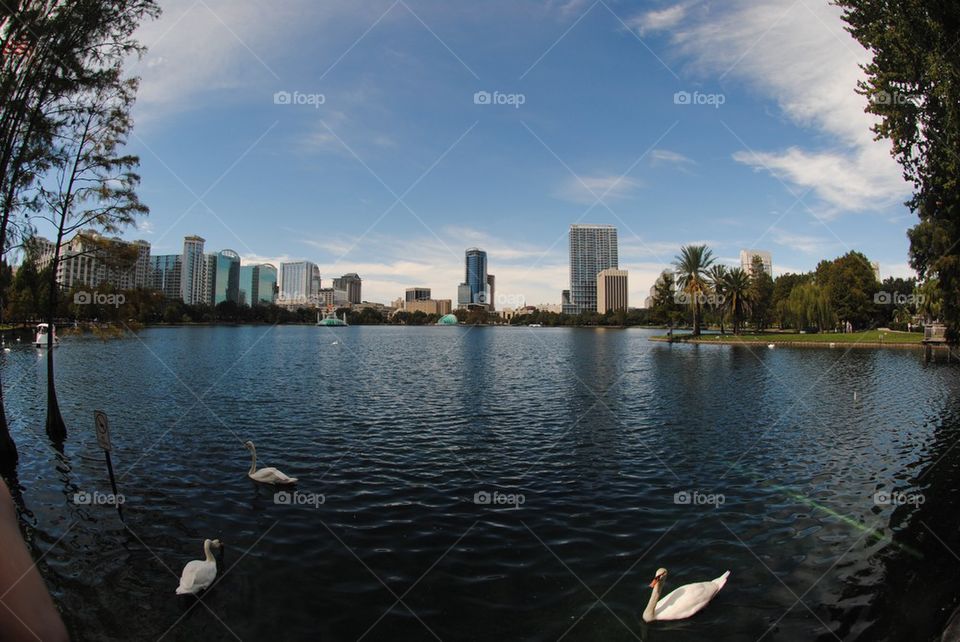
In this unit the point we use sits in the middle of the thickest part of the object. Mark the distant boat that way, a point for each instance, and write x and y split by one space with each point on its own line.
40 340
330 319
536 325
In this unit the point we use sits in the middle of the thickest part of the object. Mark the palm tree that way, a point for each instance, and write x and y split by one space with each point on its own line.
736 288
717 274
691 266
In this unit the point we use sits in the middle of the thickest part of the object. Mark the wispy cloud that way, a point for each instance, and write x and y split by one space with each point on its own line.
799 55
815 245
586 189
660 157
658 20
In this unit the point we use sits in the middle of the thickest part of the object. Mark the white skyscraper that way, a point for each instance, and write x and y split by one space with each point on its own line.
593 249
193 271
299 283
746 260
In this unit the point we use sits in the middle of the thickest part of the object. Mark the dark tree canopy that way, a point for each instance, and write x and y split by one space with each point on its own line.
913 86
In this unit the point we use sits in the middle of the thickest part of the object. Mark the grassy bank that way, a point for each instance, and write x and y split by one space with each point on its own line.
873 338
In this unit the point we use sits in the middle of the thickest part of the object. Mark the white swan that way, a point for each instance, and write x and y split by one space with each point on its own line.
682 602
198 575
266 475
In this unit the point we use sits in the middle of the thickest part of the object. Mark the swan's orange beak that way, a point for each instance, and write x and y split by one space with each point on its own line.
655 580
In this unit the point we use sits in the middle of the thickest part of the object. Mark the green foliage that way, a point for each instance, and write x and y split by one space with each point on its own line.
736 292
691 266
808 308
913 86
665 305
760 295
850 285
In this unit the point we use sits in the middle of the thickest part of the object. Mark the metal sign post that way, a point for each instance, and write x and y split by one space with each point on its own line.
103 438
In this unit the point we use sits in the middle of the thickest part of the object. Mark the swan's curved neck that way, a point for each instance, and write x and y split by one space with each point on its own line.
650 613
207 552
253 460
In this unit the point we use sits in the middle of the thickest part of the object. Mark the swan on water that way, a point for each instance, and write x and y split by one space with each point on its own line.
265 475
198 575
682 602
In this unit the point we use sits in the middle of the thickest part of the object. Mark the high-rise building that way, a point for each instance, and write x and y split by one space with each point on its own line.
332 298
249 284
90 260
193 286
351 283
746 260
258 284
593 249
611 290
417 294
141 269
209 277
225 280
299 283
477 290
491 292
267 286
463 295
165 274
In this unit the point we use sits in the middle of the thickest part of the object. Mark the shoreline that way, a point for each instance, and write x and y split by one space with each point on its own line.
918 345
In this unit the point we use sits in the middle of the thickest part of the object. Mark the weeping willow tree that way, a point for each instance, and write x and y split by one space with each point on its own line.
808 306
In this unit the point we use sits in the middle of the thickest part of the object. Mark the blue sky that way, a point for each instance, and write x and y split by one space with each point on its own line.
399 170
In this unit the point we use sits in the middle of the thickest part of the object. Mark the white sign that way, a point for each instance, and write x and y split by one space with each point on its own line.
103 429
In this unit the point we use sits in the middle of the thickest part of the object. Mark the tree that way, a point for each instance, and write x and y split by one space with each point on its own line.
691 265
664 297
761 294
783 285
808 307
52 50
717 275
912 86
851 287
736 288
94 186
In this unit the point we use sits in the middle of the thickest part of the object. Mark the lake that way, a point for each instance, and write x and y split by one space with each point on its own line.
492 484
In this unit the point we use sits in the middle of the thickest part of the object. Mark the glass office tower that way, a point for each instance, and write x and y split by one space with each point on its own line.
593 249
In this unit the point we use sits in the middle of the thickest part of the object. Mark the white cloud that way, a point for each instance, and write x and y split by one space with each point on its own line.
799 55
199 50
534 273
816 245
658 20
587 189
666 157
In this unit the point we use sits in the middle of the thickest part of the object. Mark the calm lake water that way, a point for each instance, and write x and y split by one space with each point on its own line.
780 453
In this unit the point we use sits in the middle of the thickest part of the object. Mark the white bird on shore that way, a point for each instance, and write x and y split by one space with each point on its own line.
266 475
682 602
198 575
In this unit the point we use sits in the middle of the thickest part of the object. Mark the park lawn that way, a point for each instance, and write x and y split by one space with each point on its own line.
868 336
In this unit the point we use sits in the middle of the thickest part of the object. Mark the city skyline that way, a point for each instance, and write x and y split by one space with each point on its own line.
772 166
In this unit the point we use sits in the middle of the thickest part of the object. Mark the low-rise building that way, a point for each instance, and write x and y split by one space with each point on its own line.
611 290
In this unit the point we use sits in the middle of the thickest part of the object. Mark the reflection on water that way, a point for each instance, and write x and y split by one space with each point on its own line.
400 429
